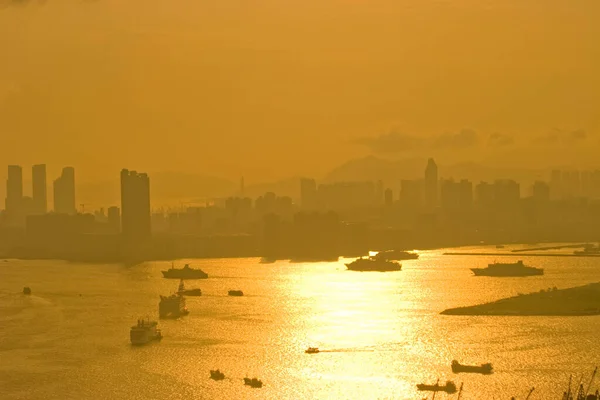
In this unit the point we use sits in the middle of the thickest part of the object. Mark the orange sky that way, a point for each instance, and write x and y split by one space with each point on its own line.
270 89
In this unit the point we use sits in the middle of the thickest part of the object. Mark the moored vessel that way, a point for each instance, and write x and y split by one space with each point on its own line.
235 293
144 332
508 270
396 255
188 292
184 273
172 306
373 264
485 369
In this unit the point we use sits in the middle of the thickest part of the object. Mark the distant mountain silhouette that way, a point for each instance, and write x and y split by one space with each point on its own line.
374 168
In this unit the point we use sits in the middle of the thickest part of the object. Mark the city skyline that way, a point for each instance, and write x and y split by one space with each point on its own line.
213 186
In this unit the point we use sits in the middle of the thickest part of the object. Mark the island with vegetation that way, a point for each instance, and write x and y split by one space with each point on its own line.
581 300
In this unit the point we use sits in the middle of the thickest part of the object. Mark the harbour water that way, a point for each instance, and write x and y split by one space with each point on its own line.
381 332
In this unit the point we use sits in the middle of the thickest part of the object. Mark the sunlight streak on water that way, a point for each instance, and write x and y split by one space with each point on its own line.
381 333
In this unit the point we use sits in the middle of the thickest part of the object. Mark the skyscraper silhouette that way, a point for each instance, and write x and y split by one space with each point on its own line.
14 188
431 184
14 196
40 192
308 194
135 206
64 192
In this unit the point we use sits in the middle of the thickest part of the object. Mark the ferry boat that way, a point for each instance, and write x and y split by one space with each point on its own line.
396 255
508 269
235 293
216 375
188 292
254 382
485 369
373 264
172 306
449 387
312 350
144 332
185 273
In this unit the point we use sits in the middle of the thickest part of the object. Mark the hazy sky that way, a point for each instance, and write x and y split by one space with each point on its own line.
272 88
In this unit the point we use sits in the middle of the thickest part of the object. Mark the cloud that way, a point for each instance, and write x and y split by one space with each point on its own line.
499 140
392 142
559 136
464 138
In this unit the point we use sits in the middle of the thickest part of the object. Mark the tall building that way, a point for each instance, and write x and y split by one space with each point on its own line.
14 189
556 187
507 194
64 192
114 219
456 196
14 203
484 194
541 192
389 197
40 191
431 184
308 194
135 206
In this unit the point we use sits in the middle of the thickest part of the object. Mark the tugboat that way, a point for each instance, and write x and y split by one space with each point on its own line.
172 306
507 270
235 293
449 387
216 375
144 332
27 290
373 264
396 255
485 369
312 350
185 273
254 382
188 292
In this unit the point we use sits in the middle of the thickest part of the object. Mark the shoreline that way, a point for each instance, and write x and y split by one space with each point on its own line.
571 302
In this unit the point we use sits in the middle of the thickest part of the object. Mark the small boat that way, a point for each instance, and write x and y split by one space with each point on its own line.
235 293
485 369
144 332
500 246
449 387
216 375
27 290
188 292
312 350
254 382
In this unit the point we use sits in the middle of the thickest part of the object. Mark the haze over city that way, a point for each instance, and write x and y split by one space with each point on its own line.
271 90
330 199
